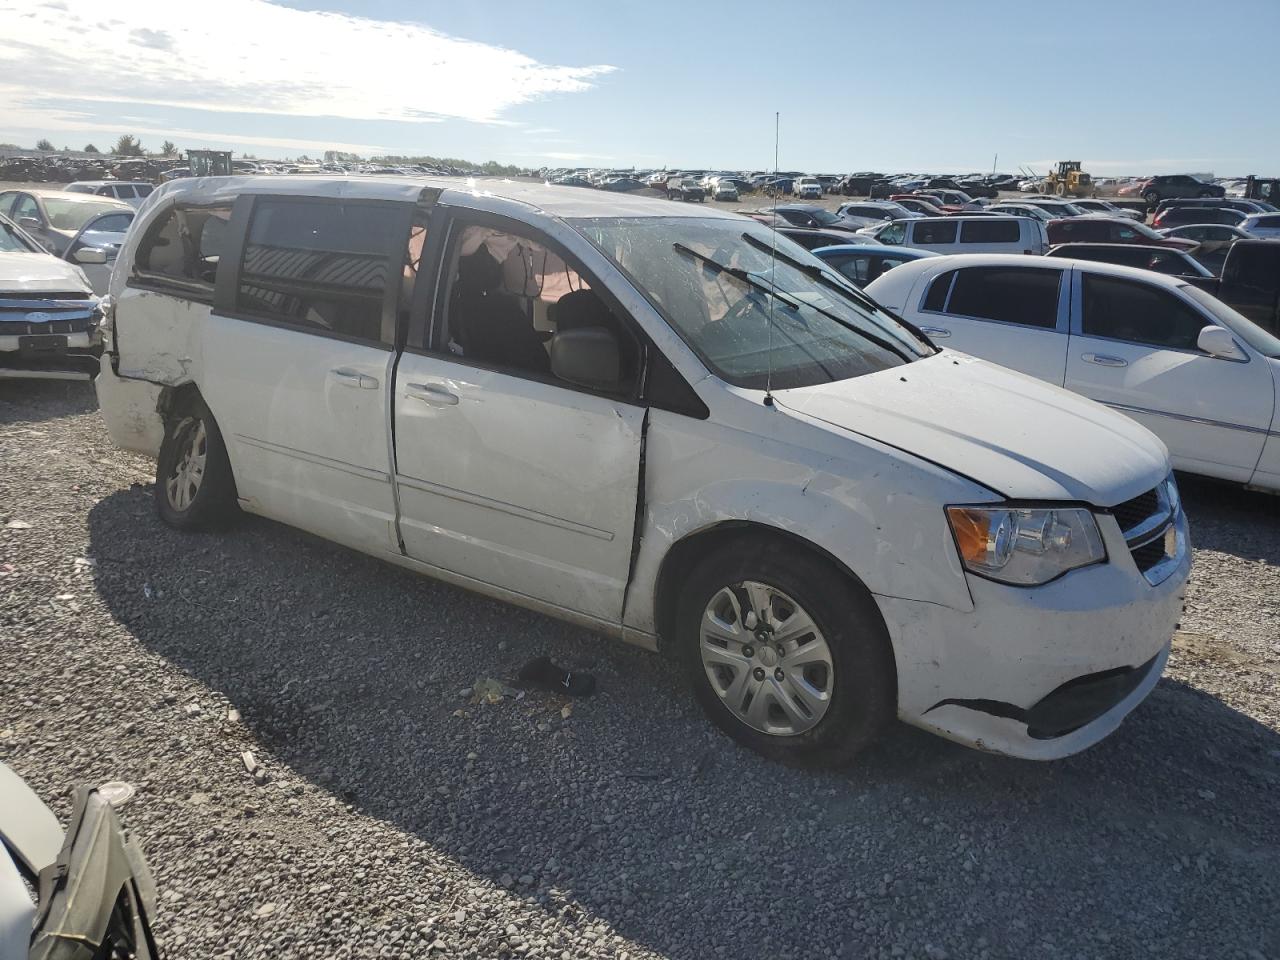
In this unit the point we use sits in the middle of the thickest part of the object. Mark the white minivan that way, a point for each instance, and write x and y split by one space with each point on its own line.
993 234
675 428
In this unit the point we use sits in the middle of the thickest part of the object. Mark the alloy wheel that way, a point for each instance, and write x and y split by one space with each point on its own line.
766 658
187 474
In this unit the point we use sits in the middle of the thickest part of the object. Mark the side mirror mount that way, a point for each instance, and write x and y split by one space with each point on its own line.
87 255
588 357
1219 342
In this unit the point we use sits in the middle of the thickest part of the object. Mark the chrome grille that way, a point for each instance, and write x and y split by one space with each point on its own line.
48 313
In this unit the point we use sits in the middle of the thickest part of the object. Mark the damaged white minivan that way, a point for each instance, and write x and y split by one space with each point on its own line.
651 421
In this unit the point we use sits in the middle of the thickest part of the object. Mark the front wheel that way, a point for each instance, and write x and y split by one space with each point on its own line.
195 489
786 655
1151 197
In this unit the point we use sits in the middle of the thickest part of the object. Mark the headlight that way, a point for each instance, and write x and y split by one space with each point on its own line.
1025 546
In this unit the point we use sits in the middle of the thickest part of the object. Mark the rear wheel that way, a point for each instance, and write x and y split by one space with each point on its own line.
194 486
785 654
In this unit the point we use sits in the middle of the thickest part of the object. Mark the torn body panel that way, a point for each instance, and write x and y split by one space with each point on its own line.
872 508
131 410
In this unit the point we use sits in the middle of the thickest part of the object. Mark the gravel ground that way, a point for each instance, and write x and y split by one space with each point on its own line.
396 816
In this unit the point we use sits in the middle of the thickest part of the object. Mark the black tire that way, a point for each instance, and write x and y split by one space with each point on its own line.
1208 195
209 502
1151 197
863 695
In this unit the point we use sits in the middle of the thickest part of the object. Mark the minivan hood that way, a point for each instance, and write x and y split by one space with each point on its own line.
39 273
1018 436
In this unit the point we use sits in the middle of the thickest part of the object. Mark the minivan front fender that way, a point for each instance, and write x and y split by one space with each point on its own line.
879 517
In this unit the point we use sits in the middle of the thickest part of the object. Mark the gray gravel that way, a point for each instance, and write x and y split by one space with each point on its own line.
391 815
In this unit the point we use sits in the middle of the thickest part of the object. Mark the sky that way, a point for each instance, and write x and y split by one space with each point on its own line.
1127 86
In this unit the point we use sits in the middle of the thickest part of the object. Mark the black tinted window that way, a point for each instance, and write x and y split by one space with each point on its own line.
936 298
856 269
1269 222
990 230
1138 313
1009 294
934 232
321 265
1072 231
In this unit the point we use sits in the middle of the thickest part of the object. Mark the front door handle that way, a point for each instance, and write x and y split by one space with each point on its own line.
354 378
1104 360
432 393
938 333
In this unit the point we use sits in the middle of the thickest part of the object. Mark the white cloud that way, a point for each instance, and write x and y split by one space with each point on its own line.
253 56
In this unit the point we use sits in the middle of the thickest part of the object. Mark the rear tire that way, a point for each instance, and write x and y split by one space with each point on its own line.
812 679
195 489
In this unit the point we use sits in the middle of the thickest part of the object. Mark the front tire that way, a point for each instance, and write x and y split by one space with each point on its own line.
785 654
195 489
1151 197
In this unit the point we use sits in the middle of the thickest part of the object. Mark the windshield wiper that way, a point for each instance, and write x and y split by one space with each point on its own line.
847 287
738 273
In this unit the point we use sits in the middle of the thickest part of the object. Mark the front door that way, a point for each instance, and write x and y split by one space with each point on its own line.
1133 347
505 473
297 357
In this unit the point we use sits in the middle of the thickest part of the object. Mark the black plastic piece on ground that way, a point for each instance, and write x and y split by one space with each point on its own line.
541 672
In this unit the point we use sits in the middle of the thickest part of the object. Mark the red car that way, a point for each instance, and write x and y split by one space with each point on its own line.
929 206
1111 230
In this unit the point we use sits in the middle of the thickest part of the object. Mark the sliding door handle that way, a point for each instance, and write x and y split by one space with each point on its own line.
353 378
1104 360
432 393
936 333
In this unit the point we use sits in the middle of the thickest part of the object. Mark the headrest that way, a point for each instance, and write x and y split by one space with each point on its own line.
480 270
581 308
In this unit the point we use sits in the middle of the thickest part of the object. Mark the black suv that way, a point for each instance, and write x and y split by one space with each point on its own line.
1177 185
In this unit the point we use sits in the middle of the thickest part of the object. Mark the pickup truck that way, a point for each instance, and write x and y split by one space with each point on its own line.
1250 282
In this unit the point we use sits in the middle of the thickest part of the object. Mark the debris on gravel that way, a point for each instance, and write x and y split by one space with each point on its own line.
409 805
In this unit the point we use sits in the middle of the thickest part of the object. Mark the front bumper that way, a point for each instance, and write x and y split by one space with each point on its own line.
1039 673
55 338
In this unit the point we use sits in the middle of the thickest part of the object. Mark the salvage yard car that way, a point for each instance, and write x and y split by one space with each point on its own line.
55 217
672 426
48 314
1178 360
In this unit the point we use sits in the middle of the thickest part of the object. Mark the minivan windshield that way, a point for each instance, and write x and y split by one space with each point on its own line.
710 279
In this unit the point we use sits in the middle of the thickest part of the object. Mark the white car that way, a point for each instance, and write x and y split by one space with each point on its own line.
806 187
49 316
1107 209
1199 375
725 190
962 234
132 192
1261 225
595 406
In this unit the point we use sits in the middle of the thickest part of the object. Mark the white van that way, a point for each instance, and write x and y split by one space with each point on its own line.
132 192
965 234
596 406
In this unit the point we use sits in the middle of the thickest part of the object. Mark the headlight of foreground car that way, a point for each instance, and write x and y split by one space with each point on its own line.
1025 546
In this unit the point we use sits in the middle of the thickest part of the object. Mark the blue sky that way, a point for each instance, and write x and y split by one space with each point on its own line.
1129 86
